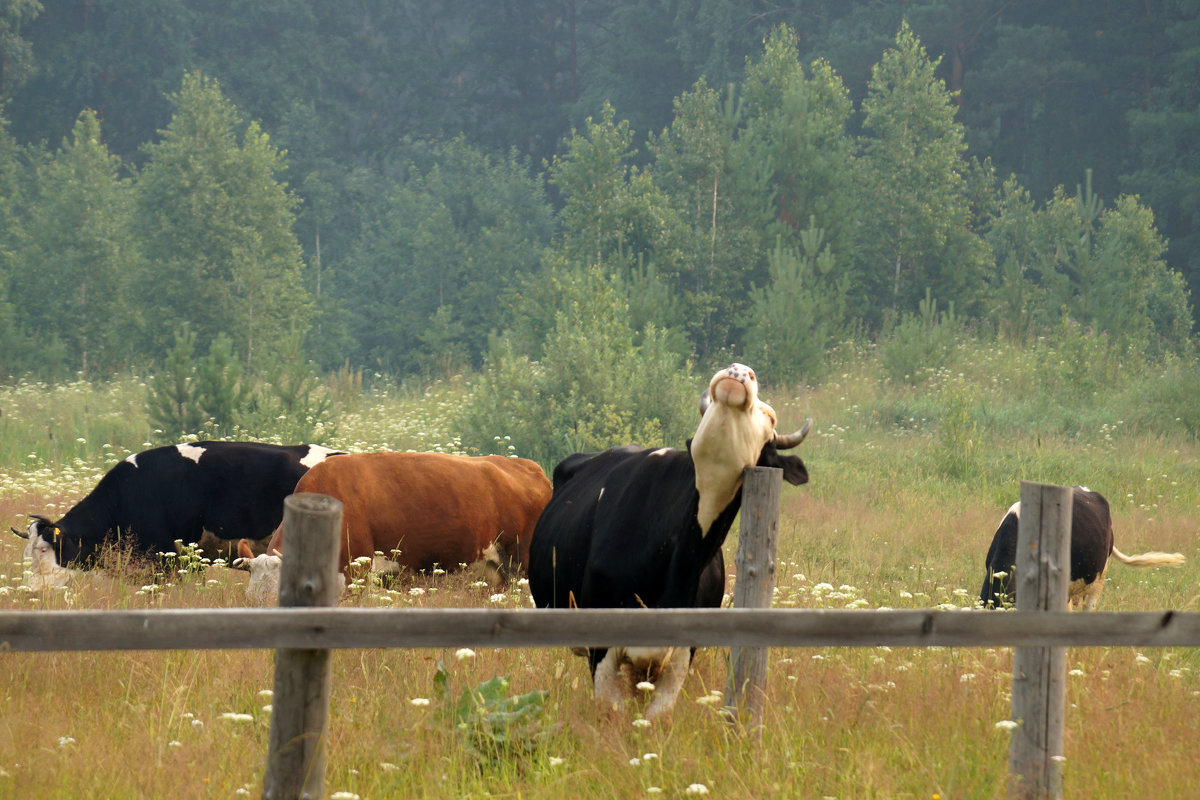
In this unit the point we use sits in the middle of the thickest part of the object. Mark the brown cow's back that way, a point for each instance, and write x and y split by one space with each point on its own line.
436 509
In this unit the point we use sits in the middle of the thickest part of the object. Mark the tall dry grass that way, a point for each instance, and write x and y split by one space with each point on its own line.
906 492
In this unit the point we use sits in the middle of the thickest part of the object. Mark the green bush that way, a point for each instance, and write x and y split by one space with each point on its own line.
597 385
921 343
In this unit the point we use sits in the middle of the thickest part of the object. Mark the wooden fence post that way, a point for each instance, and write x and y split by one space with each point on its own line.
758 538
1043 572
300 706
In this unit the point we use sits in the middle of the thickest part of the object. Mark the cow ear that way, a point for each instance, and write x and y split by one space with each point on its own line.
793 470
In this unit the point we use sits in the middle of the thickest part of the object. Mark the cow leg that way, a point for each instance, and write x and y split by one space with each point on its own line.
1092 595
608 681
670 681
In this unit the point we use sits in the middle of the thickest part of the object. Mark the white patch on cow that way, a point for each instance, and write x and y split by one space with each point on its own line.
662 451
132 459
1014 509
190 451
606 683
317 454
623 667
44 571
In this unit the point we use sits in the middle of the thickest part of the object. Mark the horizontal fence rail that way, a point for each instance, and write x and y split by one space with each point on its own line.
352 628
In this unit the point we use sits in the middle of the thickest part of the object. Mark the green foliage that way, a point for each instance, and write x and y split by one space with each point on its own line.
80 250
217 227
801 312
220 392
597 384
16 51
1081 361
795 125
1166 400
172 401
496 725
913 227
12 183
1103 267
291 403
920 344
426 277
209 397
957 443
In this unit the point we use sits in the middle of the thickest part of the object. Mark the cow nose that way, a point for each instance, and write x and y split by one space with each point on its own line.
740 372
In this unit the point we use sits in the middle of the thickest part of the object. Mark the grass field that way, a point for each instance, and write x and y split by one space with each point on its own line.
908 484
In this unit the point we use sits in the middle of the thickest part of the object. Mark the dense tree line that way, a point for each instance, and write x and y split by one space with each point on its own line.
422 187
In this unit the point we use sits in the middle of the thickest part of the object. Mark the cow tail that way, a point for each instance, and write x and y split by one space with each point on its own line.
1151 559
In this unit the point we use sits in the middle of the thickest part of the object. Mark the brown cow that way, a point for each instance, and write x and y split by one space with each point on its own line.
421 510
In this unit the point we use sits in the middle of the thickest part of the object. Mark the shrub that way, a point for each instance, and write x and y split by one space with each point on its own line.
596 386
921 343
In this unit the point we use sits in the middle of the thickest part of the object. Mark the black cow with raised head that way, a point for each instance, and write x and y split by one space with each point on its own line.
1091 545
632 528
230 490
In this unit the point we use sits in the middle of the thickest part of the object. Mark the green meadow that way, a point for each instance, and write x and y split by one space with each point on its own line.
911 471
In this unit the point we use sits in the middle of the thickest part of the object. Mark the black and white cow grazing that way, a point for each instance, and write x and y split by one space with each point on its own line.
231 490
1091 544
631 528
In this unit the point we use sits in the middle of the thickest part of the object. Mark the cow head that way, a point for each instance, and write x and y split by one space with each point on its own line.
737 430
42 555
264 569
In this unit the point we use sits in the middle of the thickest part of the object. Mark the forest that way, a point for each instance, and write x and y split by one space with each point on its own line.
225 195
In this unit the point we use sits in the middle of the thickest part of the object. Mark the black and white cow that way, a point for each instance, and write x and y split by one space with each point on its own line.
230 490
631 528
1091 544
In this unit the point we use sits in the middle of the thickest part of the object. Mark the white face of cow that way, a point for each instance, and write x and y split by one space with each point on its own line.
263 588
44 571
732 432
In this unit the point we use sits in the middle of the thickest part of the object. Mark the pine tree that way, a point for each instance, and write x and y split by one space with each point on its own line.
914 230
217 226
81 251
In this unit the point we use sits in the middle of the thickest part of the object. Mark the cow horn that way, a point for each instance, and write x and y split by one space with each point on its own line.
790 440
19 533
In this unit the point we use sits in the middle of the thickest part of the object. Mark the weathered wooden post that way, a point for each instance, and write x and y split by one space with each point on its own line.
1043 570
758 539
300 706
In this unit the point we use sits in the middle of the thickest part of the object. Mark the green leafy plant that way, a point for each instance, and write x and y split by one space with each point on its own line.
921 343
495 724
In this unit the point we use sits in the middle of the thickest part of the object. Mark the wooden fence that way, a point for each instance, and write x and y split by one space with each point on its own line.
304 629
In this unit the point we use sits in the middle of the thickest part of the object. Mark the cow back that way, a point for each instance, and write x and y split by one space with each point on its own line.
431 509
622 533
